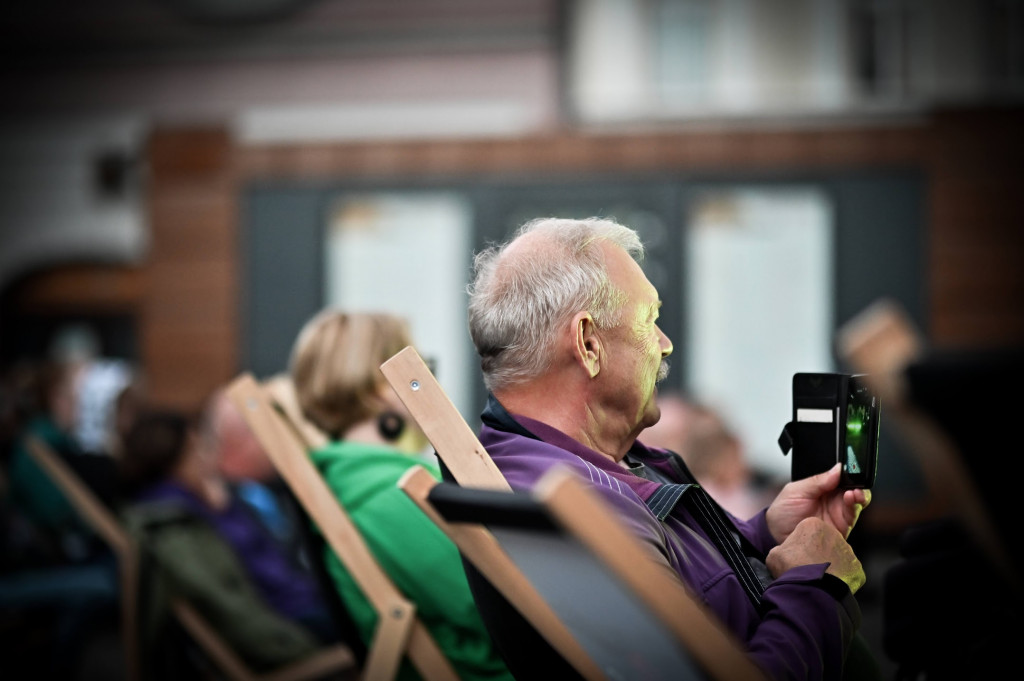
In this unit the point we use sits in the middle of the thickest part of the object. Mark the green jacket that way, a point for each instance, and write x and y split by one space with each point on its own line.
422 562
31 487
181 555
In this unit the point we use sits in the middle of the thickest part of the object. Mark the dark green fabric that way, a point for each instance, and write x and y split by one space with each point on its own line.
32 488
422 562
182 556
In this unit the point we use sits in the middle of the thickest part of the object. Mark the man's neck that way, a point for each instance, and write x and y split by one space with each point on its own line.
565 407
212 490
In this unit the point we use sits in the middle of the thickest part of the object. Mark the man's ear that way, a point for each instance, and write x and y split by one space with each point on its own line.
586 345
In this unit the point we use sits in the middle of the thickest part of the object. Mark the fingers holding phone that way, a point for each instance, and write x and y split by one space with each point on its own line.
815 541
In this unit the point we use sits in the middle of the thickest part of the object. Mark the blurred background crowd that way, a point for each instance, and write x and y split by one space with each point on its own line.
185 183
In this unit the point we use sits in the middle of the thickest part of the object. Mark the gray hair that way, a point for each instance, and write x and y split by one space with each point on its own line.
517 300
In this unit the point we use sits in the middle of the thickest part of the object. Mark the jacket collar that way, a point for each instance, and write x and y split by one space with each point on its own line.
660 497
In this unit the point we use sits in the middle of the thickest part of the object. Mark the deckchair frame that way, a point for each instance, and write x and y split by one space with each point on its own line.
579 511
109 528
400 632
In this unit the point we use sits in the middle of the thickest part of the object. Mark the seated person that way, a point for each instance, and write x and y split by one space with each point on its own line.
373 442
58 580
565 323
31 489
200 542
247 468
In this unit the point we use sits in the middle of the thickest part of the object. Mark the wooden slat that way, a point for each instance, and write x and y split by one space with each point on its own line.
582 513
291 460
282 392
92 510
399 630
324 664
484 551
881 342
707 640
442 423
110 530
201 631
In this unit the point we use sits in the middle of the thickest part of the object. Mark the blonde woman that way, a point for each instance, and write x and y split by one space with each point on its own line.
372 442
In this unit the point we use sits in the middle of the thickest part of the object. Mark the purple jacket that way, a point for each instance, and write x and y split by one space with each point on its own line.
807 619
285 586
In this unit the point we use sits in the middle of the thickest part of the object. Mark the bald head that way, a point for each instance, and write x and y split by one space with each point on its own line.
525 289
240 454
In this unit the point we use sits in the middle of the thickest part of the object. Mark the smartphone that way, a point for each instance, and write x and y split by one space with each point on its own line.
861 423
835 419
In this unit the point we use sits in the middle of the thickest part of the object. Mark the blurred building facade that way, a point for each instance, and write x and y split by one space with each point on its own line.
196 177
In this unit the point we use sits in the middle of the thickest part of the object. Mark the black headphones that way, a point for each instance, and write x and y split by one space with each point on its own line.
390 425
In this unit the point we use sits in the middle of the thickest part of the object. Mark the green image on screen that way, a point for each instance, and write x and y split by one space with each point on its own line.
858 429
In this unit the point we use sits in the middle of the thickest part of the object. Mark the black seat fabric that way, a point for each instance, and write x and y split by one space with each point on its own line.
313 546
527 654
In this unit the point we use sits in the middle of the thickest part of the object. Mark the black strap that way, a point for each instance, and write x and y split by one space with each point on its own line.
719 529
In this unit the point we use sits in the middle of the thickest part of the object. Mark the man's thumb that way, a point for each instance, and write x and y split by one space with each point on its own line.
829 479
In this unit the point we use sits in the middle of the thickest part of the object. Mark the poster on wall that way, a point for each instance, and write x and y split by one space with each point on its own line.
408 254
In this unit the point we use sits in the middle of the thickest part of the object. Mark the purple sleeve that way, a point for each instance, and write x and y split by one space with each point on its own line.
809 618
756 531
808 621
809 624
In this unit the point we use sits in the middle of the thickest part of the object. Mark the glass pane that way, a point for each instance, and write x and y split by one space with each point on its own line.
407 253
682 52
760 280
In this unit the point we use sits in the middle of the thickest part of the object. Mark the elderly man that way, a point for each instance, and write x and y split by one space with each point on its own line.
565 323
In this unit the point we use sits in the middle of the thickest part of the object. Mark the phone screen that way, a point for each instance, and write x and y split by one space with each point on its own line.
861 432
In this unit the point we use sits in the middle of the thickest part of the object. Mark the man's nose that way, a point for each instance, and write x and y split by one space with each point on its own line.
665 342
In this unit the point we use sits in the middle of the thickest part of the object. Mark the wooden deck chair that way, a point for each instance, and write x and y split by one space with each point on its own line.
515 614
882 342
333 659
109 529
574 554
282 395
691 629
400 632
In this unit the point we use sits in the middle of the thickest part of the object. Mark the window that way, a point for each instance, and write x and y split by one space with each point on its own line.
760 286
407 253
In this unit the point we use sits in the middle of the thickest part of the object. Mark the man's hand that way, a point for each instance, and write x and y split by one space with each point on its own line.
816 497
815 541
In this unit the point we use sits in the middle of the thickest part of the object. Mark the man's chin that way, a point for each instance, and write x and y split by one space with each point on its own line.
653 412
